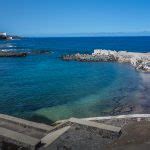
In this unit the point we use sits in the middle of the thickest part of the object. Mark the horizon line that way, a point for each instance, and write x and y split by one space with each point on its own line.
96 34
55 36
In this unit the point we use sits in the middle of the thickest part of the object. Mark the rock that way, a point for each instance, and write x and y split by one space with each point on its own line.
2 37
40 52
89 58
141 63
12 54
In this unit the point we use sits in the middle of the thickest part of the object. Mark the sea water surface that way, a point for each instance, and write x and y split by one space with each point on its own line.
42 87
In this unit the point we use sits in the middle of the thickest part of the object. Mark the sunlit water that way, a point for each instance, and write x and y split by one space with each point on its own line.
42 86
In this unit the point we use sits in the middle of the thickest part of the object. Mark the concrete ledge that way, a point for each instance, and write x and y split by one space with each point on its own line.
25 123
96 125
51 137
110 117
60 121
119 117
18 138
106 131
59 126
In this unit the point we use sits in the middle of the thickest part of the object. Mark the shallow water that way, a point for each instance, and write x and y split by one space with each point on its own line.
44 87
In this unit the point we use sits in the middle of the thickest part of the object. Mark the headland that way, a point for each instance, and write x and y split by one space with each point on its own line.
4 36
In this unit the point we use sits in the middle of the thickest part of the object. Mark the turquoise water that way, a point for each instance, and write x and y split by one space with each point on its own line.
43 87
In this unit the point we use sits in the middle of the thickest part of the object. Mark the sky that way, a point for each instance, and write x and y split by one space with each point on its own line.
54 17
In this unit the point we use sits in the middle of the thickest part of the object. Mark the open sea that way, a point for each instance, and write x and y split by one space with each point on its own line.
42 87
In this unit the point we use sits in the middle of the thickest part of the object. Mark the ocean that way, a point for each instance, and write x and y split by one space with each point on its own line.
42 87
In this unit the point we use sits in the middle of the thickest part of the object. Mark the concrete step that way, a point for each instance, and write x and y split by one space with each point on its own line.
95 124
51 137
26 123
105 130
18 139
129 116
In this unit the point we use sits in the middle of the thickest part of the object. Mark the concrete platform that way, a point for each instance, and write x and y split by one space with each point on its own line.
18 138
20 132
51 137
113 132
25 123
106 131
33 129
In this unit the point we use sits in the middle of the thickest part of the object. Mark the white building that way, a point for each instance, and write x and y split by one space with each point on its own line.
3 34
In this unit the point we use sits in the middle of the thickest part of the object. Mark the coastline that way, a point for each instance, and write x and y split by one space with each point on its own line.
86 76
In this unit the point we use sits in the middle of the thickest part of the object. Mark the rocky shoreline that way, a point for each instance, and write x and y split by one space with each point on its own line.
141 61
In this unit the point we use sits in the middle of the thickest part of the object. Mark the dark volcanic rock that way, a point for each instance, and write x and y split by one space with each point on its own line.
3 37
12 54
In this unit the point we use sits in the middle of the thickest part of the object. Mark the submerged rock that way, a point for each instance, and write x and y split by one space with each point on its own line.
40 52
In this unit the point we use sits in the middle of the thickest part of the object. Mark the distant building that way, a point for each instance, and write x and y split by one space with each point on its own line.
3 34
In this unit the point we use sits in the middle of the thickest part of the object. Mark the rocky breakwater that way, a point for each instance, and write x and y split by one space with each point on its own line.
88 58
141 61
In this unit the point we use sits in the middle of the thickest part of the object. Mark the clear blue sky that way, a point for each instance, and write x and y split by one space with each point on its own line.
47 17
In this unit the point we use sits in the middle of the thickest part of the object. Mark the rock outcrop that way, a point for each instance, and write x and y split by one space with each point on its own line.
5 37
12 54
140 63
40 52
